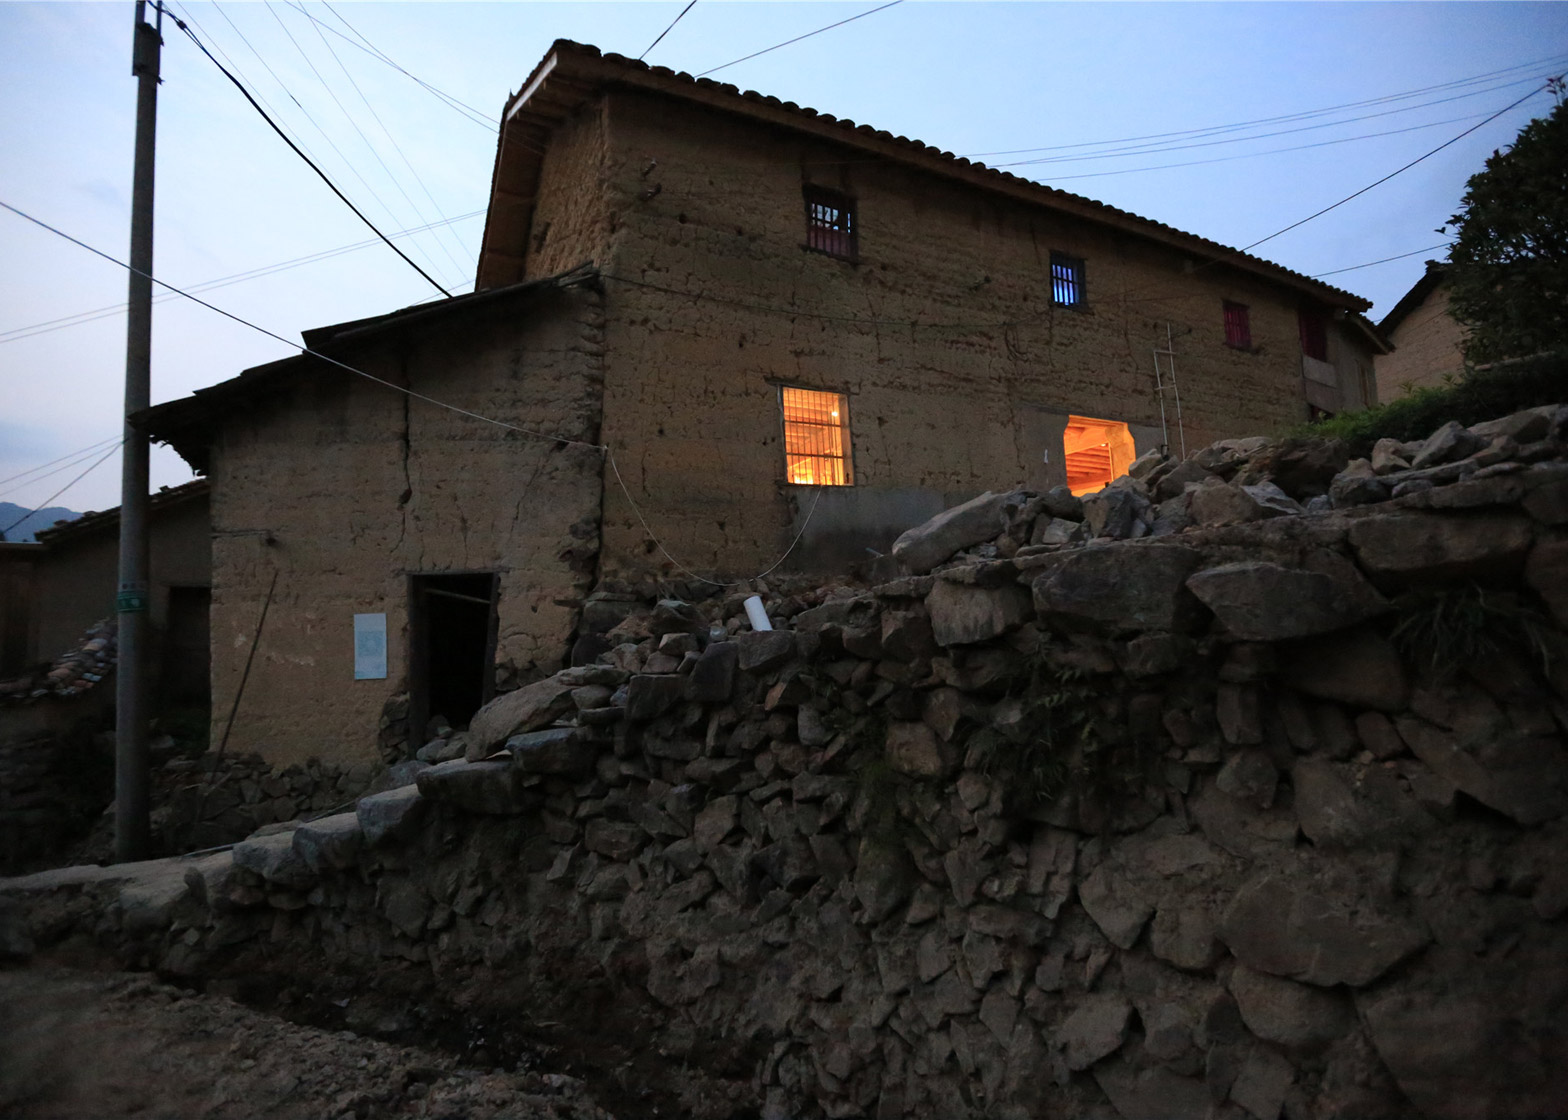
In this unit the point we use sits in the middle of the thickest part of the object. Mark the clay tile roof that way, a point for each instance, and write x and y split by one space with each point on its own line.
580 69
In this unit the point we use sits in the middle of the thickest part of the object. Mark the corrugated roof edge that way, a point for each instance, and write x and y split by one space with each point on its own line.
1225 254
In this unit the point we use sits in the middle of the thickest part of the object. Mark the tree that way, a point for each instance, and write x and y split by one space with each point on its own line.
1508 266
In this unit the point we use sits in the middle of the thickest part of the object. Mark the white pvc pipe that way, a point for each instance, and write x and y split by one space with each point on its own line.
756 615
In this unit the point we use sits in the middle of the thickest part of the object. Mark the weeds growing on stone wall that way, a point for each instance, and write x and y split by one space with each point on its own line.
1441 631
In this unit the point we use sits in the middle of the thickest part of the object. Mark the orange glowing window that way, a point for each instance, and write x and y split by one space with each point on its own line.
816 437
1096 452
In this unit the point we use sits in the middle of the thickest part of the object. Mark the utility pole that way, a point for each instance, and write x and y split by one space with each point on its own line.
132 833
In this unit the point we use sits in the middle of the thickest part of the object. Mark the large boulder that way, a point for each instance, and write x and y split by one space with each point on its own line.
1122 587
961 614
922 548
491 788
391 816
1430 545
273 858
330 842
525 709
1263 602
1357 667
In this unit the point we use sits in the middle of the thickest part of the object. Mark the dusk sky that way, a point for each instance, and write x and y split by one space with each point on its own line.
1067 93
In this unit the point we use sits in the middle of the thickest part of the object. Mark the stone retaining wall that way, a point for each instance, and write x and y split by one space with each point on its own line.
1264 819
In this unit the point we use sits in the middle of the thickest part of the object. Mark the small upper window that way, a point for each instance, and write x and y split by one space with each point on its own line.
1067 286
816 437
1238 326
830 222
1314 335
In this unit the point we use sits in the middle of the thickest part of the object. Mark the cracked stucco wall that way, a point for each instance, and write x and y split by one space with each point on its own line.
358 487
952 404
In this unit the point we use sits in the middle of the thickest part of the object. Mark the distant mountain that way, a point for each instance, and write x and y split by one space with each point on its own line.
27 524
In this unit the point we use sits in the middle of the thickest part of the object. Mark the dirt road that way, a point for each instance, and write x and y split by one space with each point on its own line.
91 1046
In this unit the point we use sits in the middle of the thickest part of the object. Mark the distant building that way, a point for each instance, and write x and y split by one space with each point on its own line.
1427 340
785 327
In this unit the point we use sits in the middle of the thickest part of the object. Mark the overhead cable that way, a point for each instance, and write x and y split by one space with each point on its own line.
1384 260
312 164
77 455
798 38
45 503
667 30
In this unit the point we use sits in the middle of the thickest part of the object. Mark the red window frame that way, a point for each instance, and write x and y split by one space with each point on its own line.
1314 334
1238 326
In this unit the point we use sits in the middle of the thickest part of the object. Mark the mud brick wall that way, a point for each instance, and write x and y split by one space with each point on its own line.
345 487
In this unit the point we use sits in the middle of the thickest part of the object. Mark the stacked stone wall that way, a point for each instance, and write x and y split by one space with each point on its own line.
1264 817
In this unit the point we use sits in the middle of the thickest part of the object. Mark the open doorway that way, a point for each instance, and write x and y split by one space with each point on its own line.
1096 451
452 647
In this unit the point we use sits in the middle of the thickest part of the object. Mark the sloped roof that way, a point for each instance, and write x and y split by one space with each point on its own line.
108 520
1414 298
573 73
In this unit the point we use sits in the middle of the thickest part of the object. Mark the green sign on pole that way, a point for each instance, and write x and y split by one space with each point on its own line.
131 598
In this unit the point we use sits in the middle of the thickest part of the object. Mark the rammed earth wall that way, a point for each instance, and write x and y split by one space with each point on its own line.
1263 820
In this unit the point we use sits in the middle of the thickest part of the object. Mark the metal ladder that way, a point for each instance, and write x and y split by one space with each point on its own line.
1165 382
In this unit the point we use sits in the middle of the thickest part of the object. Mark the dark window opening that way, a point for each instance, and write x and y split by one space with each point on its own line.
830 223
1314 335
186 657
1067 282
452 649
1238 326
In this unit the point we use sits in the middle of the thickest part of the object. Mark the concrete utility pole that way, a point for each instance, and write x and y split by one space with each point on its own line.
132 834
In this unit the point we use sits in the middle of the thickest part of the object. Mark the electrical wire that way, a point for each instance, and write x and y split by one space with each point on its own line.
667 30
798 38
1385 260
45 503
76 461
17 333
77 455
354 124
385 131
603 449
312 164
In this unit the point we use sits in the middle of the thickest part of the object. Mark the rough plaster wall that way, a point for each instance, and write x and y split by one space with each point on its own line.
75 583
691 400
360 486
570 224
1426 348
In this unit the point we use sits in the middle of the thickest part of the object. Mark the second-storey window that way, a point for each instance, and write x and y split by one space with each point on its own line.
816 437
1314 335
1238 326
830 222
1067 281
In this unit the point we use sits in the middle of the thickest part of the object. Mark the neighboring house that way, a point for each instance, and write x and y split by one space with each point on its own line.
1427 341
52 591
780 325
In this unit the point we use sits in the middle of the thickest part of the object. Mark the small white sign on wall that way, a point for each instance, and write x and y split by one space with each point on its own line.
370 647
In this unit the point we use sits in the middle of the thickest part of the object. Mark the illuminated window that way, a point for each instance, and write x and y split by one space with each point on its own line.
1067 286
816 437
1238 326
1096 452
830 222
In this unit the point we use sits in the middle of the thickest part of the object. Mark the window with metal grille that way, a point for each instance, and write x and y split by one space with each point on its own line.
1067 286
1238 326
1314 335
816 437
830 222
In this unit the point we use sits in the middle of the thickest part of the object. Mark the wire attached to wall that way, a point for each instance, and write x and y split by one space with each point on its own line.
575 275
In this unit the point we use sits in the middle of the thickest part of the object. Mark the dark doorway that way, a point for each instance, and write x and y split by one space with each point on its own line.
186 655
452 650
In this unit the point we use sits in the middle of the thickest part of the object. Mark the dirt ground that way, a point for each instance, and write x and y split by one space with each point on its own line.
80 1045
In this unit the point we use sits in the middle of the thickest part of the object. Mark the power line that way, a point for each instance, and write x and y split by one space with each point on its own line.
1266 152
1385 260
295 147
603 449
17 333
354 124
1391 174
45 503
385 131
667 30
82 453
1299 115
798 38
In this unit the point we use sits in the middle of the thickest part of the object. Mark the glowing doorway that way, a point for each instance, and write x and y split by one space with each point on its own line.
1096 451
